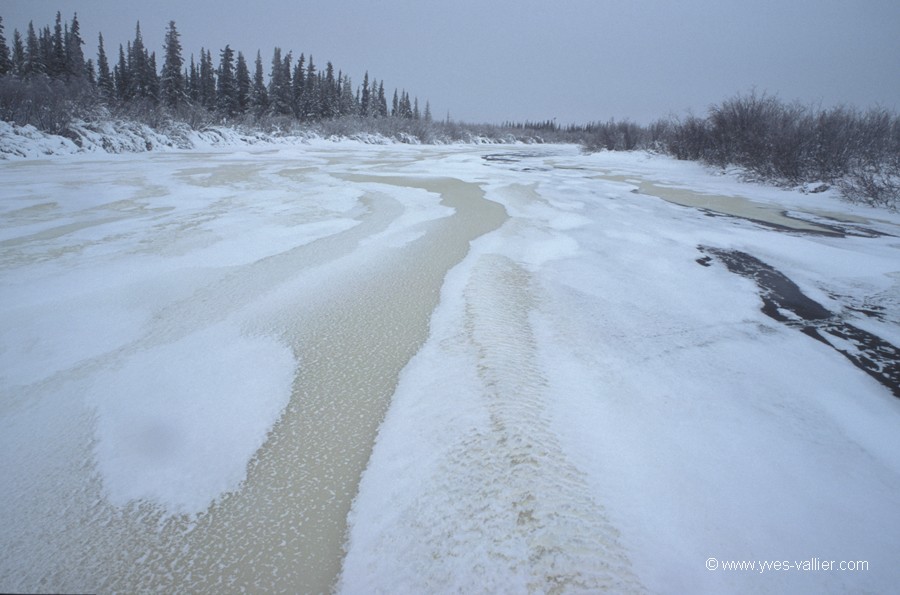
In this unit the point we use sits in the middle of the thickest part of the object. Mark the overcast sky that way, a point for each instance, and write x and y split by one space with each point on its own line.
573 60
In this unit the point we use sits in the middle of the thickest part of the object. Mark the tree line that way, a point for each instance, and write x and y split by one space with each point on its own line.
45 80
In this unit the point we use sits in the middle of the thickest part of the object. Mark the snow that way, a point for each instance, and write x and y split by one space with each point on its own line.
184 437
665 412
591 409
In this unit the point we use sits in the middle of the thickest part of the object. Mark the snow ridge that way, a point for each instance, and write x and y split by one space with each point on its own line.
533 506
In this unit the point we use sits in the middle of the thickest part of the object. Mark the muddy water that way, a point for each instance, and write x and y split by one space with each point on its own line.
735 206
729 205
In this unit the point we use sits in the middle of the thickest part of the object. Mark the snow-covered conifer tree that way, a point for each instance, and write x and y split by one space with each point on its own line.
5 61
193 81
56 60
364 98
298 87
121 77
311 105
259 96
75 66
137 66
330 93
171 82
382 101
18 54
242 79
226 85
279 86
34 63
207 80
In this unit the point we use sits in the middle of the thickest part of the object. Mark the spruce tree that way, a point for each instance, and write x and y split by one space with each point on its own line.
405 105
137 66
45 49
226 86
18 54
122 77
382 101
210 81
364 98
279 86
207 80
312 107
75 66
298 88
275 78
194 82
142 63
171 82
286 100
260 96
348 101
242 77
56 64
330 93
34 64
104 78
151 78
5 61
89 73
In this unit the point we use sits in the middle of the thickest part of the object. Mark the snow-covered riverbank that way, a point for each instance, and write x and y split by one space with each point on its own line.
590 408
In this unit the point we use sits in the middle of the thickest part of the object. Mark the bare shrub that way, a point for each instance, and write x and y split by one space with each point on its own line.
874 185
690 139
613 135
791 144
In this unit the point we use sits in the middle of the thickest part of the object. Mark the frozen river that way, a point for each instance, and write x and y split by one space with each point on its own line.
416 369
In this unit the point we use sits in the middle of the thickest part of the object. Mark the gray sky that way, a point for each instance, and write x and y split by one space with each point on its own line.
573 60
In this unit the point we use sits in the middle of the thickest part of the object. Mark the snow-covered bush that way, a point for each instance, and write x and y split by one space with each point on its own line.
793 145
876 185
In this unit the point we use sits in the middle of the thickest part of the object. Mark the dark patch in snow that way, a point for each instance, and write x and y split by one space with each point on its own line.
515 158
831 230
840 228
502 158
786 303
512 157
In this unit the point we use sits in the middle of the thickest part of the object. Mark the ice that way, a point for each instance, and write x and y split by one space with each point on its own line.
589 407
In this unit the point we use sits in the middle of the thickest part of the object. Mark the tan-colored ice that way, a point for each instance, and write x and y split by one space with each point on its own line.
736 206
